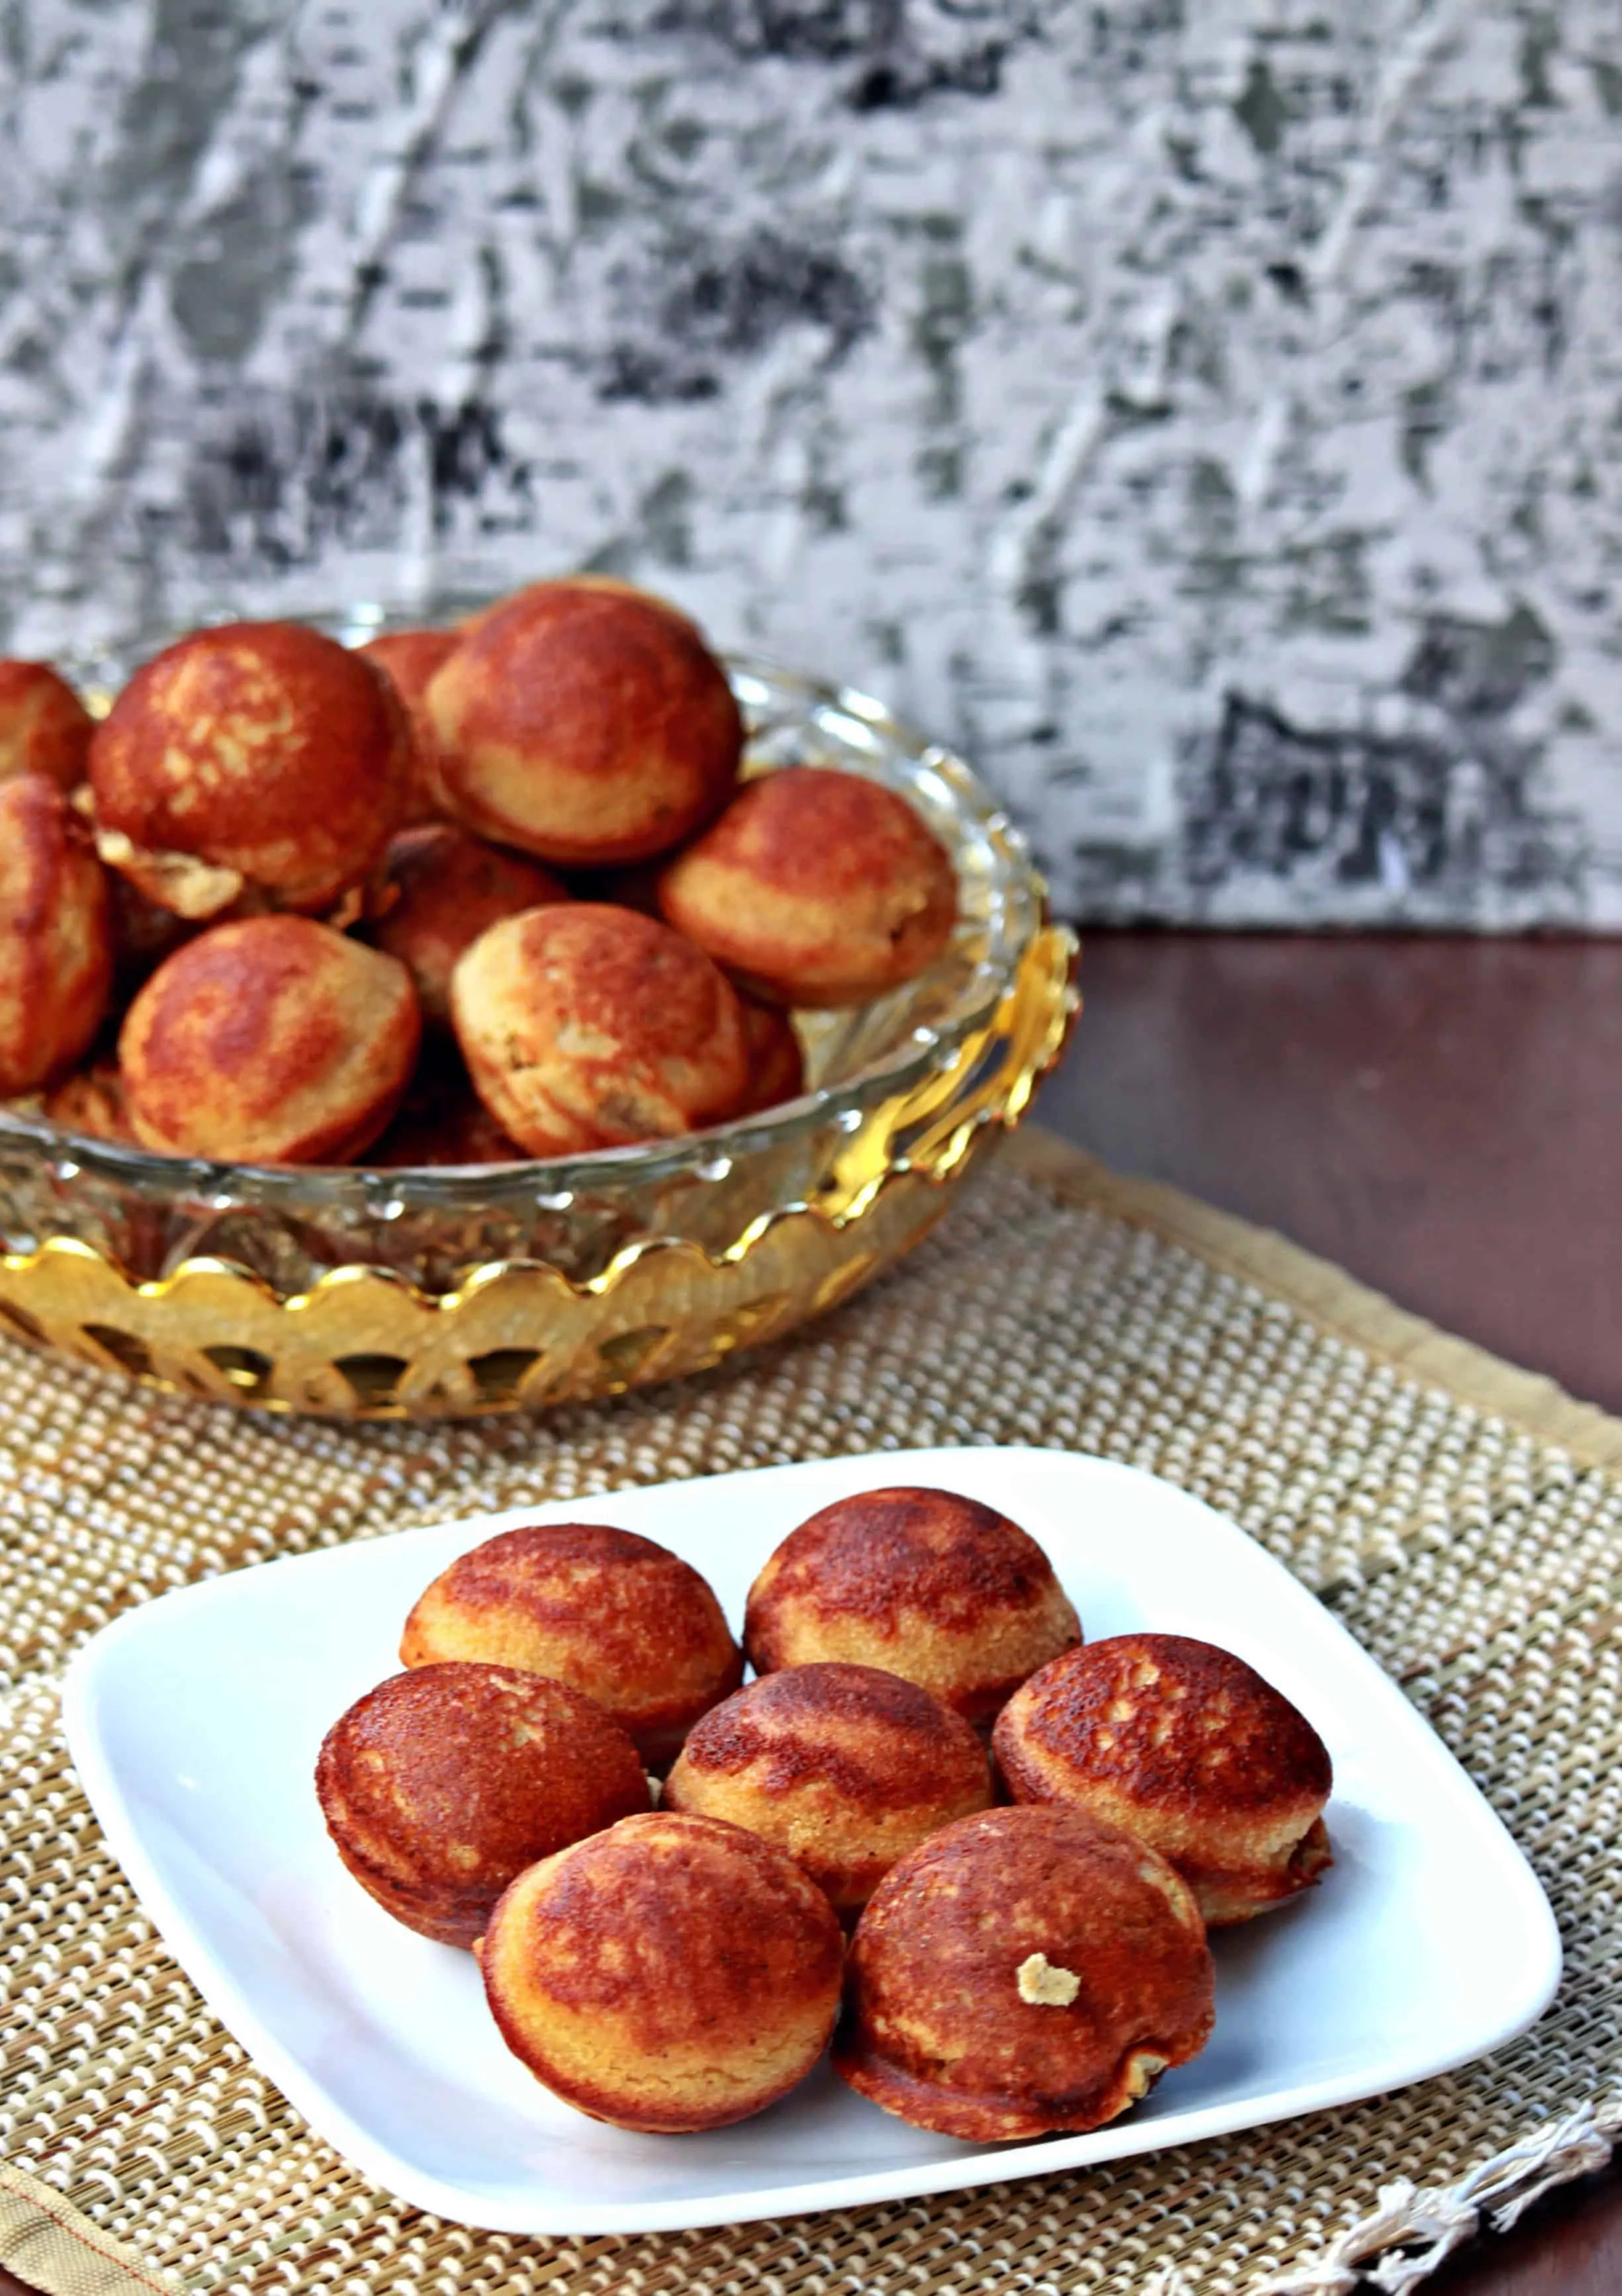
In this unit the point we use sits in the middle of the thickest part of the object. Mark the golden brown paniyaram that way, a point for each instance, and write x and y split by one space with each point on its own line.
45 728
612 1613
776 1063
1023 1971
270 1040
441 1786
815 888
845 1767
588 1027
1186 1747
408 659
91 1100
442 887
672 1973
938 1588
584 724
56 948
255 765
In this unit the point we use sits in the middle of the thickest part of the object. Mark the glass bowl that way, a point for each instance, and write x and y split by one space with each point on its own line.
367 1292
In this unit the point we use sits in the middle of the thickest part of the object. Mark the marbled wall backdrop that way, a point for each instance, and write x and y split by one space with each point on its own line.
1208 413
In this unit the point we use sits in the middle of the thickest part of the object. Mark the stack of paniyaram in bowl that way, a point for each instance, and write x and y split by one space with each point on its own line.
511 864
1010 1971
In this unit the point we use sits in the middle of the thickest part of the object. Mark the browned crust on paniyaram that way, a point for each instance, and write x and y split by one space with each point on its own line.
776 1064
619 1616
270 1040
942 2023
408 659
845 1767
55 935
257 764
588 1027
441 1786
443 888
442 1123
611 583
815 888
670 1974
926 1584
142 934
586 725
91 1100
1187 1747
45 728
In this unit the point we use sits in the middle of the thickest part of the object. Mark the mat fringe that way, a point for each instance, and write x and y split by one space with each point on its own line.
1437 2224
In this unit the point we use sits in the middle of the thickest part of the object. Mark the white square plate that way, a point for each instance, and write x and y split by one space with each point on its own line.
195 1723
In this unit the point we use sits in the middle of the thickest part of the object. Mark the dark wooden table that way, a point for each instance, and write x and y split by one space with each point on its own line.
1445 1119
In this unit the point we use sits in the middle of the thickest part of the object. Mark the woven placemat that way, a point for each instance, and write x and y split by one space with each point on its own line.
1465 1520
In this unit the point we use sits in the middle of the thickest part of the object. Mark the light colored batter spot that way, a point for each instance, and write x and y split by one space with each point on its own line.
462 1856
1041 1983
1142 2067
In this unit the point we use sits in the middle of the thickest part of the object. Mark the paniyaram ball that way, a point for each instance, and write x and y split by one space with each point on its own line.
1023 1971
56 948
586 725
269 1040
587 1026
257 765
441 1787
815 888
45 728
670 1974
615 1615
1187 1747
845 1767
940 1589
442 887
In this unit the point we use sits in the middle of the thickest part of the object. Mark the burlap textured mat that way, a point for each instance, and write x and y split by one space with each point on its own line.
1464 1518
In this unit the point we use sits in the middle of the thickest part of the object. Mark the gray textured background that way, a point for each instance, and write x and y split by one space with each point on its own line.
1210 414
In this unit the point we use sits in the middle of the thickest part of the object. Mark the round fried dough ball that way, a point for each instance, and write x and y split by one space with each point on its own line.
259 764
270 1040
55 935
1187 1747
617 1615
845 1767
45 728
586 725
448 887
589 1026
439 1787
1024 1971
940 1589
408 659
815 889
670 1974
